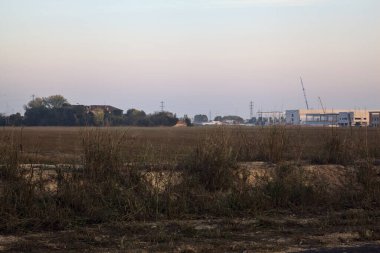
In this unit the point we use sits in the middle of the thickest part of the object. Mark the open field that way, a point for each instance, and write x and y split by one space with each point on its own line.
233 189
60 144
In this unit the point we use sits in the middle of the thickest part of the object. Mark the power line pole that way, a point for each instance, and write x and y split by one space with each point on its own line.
251 105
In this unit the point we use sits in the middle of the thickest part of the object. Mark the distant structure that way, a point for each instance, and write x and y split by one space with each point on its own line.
374 119
213 123
251 105
343 117
105 109
270 118
162 106
323 108
180 123
304 93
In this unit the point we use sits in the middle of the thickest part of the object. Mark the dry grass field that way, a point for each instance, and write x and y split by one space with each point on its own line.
200 189
60 144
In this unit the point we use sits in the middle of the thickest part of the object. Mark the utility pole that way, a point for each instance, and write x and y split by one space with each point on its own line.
162 106
251 105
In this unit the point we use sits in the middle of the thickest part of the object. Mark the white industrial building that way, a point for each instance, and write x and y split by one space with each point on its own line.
353 118
310 117
343 117
374 119
322 119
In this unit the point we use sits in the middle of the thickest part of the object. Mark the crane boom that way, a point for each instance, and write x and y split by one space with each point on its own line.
304 94
323 108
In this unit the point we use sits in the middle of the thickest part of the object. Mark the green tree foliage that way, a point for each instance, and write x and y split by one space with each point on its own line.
15 119
235 119
35 103
99 117
56 111
55 101
36 116
3 120
135 117
218 118
200 118
162 119
188 122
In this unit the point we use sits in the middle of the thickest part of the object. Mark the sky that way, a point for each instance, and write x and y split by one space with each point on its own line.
198 56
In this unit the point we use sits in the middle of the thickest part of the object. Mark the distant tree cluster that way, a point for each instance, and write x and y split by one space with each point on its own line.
135 117
57 111
200 118
230 118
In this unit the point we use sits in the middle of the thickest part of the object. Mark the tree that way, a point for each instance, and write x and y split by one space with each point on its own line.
53 110
135 117
35 112
218 118
35 103
200 118
188 122
15 119
3 120
55 101
135 113
252 120
98 115
235 119
162 119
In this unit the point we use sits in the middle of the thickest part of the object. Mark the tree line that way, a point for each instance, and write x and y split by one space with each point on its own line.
57 111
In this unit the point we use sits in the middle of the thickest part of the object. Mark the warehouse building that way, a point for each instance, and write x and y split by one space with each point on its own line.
334 117
353 118
322 119
310 117
374 119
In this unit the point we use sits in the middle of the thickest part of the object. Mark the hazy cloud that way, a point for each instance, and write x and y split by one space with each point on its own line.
149 4
265 2
244 3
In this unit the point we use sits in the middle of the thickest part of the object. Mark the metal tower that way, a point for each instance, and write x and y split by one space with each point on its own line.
304 94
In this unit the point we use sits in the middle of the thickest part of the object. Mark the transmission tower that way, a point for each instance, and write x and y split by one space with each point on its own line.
251 105
162 106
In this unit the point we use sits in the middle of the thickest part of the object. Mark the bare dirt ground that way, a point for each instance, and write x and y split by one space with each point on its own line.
350 231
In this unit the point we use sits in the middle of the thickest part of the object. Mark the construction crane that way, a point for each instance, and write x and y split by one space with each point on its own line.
304 94
323 108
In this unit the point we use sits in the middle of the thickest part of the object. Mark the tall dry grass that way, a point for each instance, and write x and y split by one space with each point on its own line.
110 184
212 161
26 203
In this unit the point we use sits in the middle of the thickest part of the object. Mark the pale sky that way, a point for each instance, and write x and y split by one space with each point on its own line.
195 55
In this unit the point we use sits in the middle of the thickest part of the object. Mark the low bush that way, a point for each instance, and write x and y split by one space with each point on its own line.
212 162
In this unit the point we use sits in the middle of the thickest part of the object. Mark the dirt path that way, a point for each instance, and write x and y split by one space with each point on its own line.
268 233
368 248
